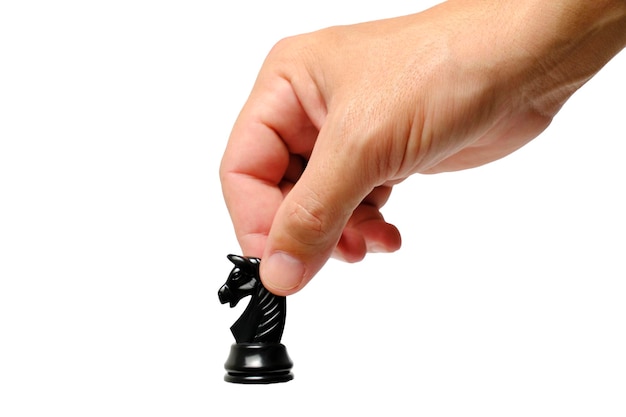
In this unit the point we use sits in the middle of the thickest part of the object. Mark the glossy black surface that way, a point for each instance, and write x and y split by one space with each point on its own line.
258 363
257 357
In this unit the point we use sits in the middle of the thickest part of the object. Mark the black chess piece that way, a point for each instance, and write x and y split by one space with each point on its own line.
257 357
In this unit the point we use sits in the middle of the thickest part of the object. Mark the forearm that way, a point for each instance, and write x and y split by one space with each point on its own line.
557 45
581 38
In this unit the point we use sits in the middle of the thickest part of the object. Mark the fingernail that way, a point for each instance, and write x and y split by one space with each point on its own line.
282 271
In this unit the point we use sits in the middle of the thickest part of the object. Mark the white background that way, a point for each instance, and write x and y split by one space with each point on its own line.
506 299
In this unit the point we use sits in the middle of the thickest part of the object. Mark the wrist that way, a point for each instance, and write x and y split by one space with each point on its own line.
570 40
546 49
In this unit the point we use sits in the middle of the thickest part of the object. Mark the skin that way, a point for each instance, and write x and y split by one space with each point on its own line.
337 117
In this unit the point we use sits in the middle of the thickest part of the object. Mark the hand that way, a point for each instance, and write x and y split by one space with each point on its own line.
338 116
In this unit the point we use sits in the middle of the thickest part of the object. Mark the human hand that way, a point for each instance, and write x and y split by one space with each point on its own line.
337 117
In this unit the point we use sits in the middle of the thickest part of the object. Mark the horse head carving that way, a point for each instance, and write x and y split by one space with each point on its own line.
263 320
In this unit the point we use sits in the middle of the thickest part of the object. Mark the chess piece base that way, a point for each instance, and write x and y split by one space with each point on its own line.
258 363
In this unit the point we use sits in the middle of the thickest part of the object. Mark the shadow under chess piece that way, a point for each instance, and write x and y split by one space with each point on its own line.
257 357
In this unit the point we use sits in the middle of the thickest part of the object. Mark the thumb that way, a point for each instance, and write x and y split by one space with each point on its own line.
311 218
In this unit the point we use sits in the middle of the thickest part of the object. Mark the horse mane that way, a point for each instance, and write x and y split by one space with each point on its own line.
263 320
273 312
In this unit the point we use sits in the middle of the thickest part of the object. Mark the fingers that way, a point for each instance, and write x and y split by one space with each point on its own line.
368 225
259 165
298 195
331 209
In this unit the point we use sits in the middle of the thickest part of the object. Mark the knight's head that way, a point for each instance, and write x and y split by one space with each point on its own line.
241 281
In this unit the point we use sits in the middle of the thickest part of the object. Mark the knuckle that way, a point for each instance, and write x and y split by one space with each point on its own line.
308 225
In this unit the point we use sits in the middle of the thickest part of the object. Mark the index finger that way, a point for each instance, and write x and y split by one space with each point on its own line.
271 127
